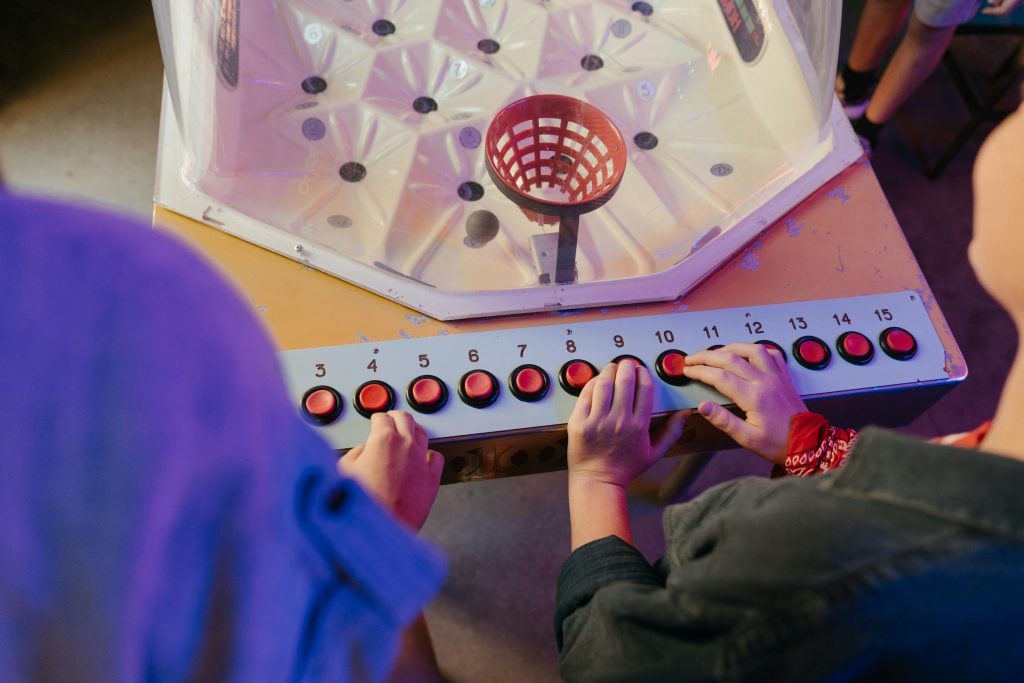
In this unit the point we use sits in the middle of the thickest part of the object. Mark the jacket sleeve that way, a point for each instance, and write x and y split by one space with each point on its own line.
620 619
594 565
633 631
616 621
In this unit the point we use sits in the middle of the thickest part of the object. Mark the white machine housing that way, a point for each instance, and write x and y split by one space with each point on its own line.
347 135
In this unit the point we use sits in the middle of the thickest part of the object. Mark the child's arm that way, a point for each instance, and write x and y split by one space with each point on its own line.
1000 7
609 446
777 425
396 467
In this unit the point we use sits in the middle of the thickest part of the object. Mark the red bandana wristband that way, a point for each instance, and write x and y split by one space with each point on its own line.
815 445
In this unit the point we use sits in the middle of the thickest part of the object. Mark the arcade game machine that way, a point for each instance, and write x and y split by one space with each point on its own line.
463 208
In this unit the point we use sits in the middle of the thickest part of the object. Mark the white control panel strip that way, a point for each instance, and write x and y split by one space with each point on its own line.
795 327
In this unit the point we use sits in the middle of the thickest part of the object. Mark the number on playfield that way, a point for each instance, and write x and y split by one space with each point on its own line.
474 356
843 319
798 323
372 365
711 332
883 314
754 328
321 370
570 346
424 361
522 350
665 337
619 341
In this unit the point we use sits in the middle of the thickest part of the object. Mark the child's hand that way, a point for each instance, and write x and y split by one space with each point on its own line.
395 466
1000 7
755 377
608 430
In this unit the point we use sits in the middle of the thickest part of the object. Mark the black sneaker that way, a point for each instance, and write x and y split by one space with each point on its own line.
853 108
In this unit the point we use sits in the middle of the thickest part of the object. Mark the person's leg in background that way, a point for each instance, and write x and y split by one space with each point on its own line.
915 59
879 23
929 32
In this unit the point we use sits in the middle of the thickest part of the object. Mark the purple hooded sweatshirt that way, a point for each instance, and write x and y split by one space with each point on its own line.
165 515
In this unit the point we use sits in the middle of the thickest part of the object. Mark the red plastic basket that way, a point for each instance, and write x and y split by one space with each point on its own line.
560 142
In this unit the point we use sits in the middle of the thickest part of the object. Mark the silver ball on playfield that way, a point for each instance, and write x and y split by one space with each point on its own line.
482 226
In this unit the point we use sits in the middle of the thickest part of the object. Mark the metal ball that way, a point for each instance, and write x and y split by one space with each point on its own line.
482 226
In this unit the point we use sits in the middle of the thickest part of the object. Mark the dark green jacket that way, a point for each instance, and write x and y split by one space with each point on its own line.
906 564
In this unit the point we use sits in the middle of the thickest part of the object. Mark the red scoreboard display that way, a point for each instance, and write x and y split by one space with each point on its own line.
745 25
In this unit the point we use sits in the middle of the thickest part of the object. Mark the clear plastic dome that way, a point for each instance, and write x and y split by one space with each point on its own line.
350 135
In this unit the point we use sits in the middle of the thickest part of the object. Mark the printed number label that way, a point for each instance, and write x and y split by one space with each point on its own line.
843 319
321 370
665 336
424 361
372 365
711 332
619 341
754 328
883 314
798 323
570 346
474 356
522 350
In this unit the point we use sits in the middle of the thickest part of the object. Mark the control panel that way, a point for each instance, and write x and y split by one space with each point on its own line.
476 385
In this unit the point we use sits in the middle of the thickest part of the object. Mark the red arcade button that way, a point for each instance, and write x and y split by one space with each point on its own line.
670 365
427 394
575 374
478 388
426 391
812 353
478 385
528 383
578 374
322 404
898 343
855 348
374 397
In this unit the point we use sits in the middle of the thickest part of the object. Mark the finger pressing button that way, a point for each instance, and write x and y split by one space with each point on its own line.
670 366
374 397
772 345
